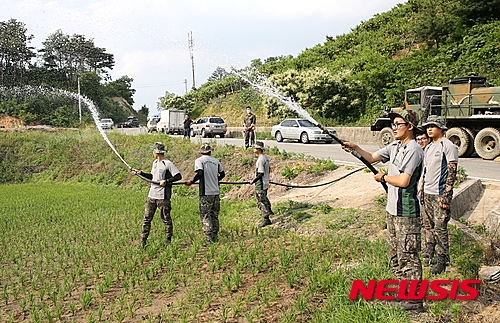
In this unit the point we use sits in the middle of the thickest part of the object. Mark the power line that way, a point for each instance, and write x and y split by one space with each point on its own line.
158 85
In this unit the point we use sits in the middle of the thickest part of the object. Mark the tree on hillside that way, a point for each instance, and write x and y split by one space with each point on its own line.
144 110
71 56
434 20
218 74
15 54
473 12
121 87
90 86
171 101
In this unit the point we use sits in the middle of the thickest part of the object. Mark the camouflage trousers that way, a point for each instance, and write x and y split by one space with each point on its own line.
263 203
249 138
435 225
209 215
404 244
149 212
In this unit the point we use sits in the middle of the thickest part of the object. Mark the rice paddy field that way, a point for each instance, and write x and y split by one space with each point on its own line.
71 250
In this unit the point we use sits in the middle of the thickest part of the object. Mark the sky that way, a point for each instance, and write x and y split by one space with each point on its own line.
149 38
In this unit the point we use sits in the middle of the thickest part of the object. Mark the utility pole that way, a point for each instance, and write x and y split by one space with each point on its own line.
185 86
191 53
79 102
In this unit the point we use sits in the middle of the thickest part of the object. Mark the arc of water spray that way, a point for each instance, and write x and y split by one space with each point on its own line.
95 115
33 91
264 85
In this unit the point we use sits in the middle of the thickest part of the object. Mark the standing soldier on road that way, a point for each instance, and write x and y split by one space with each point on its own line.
187 126
164 172
209 171
249 125
436 192
403 207
261 182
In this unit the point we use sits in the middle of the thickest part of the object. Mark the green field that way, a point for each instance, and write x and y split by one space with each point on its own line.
70 225
71 253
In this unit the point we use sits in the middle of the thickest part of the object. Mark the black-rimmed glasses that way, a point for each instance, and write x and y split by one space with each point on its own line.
396 125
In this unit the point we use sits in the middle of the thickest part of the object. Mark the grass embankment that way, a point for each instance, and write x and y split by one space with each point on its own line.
71 246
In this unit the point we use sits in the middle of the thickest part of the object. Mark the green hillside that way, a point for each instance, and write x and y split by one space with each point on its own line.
346 80
350 77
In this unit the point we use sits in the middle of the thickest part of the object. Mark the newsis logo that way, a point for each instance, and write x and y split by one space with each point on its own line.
413 290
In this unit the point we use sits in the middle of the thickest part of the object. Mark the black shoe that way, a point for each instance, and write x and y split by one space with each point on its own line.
264 223
412 306
143 244
168 242
440 266
428 254
210 239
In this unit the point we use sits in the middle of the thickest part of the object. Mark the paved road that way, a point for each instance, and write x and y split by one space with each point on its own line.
474 166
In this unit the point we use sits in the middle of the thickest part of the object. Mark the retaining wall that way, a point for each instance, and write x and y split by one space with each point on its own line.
465 197
359 135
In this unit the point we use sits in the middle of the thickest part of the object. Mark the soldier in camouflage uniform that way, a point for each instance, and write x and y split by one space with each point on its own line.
209 172
403 207
261 182
249 125
436 192
164 172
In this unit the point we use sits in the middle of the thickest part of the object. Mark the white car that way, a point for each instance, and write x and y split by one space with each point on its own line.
301 129
107 123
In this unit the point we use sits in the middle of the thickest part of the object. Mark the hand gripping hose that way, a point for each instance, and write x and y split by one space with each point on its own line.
353 152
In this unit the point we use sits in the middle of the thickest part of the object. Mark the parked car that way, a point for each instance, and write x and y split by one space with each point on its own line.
209 127
301 129
130 123
106 123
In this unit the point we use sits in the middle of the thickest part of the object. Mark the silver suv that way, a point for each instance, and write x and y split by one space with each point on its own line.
209 127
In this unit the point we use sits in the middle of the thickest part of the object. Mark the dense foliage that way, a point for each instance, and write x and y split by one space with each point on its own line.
350 77
346 80
71 63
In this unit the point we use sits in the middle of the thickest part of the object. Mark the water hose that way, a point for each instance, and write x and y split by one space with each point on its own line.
353 152
275 183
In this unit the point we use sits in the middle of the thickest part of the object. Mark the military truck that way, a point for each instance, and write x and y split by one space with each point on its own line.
470 107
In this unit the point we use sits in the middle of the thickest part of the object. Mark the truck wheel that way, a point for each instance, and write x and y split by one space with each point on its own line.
279 137
472 136
461 138
487 143
203 133
385 137
222 135
304 138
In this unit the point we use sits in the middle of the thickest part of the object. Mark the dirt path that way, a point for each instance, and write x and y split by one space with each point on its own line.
358 190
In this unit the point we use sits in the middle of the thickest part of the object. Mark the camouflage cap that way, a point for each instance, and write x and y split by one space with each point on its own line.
407 115
258 145
437 121
205 149
159 148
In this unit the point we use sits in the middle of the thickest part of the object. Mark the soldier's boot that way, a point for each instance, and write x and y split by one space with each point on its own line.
440 266
143 243
417 306
209 239
266 222
428 253
168 241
